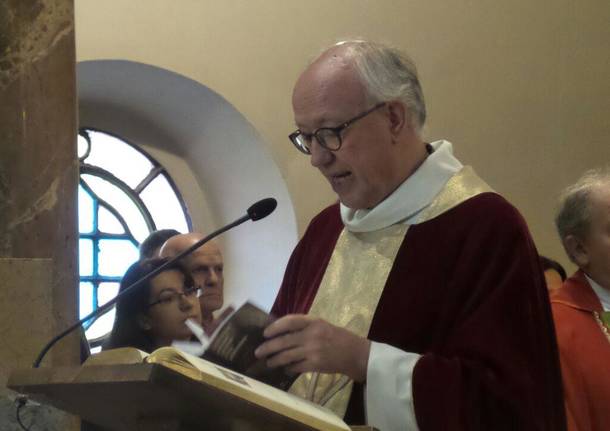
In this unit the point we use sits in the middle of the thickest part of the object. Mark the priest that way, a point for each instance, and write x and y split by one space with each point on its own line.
417 302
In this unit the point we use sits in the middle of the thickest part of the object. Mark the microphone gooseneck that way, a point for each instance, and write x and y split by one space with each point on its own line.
257 211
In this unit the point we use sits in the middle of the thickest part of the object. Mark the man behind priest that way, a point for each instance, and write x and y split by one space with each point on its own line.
418 302
206 266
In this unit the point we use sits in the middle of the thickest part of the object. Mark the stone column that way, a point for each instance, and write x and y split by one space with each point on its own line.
38 192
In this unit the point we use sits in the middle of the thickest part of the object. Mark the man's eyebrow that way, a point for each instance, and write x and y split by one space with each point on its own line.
324 123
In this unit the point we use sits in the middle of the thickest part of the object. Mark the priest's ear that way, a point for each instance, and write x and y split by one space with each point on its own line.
577 250
399 117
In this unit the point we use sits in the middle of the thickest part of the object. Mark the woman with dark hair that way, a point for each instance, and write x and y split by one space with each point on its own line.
153 315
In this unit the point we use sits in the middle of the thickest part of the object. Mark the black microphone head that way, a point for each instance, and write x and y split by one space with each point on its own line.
261 209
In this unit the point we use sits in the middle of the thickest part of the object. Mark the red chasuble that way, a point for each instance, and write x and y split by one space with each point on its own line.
466 292
585 355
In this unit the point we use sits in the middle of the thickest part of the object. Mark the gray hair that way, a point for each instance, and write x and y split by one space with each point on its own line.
388 74
574 213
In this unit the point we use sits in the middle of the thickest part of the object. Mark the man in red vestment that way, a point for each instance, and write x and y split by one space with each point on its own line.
581 307
418 301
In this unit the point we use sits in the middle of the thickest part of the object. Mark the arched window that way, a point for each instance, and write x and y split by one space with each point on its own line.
123 195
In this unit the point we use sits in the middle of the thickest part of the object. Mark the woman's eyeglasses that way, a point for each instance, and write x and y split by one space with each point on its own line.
171 296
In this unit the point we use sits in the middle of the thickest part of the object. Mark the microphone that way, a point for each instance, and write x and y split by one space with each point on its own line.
261 209
257 211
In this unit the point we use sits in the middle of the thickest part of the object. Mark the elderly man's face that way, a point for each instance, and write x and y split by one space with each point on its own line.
597 244
364 170
206 267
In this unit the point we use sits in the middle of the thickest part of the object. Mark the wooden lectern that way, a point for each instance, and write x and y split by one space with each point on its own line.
146 397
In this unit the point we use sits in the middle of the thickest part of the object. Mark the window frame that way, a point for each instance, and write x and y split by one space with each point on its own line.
134 195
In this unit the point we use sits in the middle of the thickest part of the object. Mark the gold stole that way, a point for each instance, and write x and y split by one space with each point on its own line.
354 280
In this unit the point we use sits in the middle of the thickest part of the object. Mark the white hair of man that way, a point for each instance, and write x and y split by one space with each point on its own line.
388 74
574 212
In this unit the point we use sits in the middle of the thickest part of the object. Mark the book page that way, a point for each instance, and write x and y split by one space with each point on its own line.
123 355
249 389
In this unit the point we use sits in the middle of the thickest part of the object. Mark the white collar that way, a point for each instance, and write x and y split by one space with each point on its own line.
411 197
602 294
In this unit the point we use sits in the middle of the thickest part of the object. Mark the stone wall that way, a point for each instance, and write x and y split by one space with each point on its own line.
38 184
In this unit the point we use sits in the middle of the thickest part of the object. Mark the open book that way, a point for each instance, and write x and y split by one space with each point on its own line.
225 380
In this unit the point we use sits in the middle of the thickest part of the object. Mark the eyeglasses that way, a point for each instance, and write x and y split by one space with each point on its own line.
173 296
327 137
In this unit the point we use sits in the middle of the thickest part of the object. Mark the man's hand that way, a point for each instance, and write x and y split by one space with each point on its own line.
302 343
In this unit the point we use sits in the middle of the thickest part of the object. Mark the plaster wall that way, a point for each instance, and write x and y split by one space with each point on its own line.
519 87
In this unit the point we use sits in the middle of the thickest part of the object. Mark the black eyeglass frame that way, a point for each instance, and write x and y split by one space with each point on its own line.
178 295
334 130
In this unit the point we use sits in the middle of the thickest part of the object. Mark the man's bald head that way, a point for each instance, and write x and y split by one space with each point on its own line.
361 134
385 73
332 85
178 243
205 264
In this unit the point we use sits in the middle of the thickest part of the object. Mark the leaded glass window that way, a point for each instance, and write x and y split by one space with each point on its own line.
123 195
